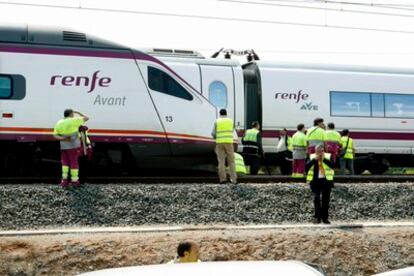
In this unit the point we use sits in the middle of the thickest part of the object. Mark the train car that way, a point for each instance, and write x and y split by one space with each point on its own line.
142 112
241 268
154 108
376 104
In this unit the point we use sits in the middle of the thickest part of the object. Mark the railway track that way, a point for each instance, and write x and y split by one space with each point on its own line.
262 179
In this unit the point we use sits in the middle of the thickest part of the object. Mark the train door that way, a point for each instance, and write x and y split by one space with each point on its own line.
218 86
187 117
252 94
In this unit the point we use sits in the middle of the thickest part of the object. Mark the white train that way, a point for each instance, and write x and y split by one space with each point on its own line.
242 268
156 108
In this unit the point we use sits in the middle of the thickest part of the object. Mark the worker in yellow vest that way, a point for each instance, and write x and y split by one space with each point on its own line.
252 147
346 159
240 167
320 177
223 134
333 141
299 152
67 132
315 135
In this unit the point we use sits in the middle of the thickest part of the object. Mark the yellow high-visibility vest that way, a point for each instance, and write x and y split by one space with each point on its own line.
329 173
315 135
240 167
333 136
289 143
224 131
349 153
299 140
68 126
251 135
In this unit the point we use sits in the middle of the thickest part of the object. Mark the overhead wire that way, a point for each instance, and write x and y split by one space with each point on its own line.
317 8
236 19
400 7
372 4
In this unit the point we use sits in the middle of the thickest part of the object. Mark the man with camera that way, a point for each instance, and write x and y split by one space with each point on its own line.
320 177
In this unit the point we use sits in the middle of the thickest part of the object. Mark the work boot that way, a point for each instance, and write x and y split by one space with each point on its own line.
326 221
317 221
64 183
75 184
231 181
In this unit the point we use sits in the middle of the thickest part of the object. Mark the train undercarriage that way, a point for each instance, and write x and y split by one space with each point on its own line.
19 159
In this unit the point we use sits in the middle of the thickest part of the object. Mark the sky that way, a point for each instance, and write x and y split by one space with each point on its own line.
368 32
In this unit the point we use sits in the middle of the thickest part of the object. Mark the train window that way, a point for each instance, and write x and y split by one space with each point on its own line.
5 87
399 106
217 94
161 82
352 104
377 105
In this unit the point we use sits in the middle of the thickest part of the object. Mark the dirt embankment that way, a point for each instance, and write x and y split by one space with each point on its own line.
362 252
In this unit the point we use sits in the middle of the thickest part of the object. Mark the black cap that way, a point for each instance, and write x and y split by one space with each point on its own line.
67 112
223 112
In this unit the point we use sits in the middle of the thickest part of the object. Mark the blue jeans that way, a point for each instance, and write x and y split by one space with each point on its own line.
345 163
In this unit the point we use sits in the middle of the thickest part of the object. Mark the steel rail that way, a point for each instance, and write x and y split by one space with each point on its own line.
261 179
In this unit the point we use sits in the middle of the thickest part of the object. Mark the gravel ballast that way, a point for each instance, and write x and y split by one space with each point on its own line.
47 206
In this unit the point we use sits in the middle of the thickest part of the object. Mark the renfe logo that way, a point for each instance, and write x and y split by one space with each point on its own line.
81 81
292 96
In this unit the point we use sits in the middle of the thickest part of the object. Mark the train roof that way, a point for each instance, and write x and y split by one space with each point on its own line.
241 268
188 56
333 67
204 61
54 36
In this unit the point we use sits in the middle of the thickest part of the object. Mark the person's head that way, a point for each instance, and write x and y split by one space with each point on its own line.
319 150
256 125
187 252
331 126
223 112
345 132
301 127
68 113
318 122
283 132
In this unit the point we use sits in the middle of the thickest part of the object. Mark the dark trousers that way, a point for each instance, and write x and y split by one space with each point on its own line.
252 160
346 164
321 189
285 162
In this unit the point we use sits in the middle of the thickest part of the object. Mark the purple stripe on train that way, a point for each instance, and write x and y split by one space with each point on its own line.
105 139
121 54
44 50
363 135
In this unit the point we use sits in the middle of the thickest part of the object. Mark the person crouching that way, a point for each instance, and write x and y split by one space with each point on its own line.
320 175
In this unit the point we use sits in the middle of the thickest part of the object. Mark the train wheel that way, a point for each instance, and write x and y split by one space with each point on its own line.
379 166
